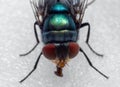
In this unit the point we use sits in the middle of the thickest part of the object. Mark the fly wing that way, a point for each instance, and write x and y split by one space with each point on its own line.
82 7
40 7
78 8
34 5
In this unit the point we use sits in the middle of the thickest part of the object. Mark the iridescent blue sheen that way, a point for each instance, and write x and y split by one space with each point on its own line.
59 27
59 7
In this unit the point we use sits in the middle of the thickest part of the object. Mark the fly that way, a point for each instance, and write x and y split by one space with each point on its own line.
60 22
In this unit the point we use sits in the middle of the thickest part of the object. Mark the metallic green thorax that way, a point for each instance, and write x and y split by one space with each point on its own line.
59 21
59 26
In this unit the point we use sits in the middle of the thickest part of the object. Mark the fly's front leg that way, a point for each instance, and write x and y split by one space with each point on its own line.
34 68
36 36
90 63
88 36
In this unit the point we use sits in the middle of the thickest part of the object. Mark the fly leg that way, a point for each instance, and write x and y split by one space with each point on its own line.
88 36
34 68
36 36
90 63
91 2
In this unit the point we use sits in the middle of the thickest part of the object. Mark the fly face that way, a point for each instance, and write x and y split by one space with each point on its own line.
60 54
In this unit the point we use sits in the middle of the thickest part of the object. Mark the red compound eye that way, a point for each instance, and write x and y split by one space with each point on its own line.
73 49
49 51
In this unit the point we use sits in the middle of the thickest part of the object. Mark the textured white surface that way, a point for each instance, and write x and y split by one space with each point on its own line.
17 36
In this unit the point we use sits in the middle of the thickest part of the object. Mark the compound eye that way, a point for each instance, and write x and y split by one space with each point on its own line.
73 49
49 51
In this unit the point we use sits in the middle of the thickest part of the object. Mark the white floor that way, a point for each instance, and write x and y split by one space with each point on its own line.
17 36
